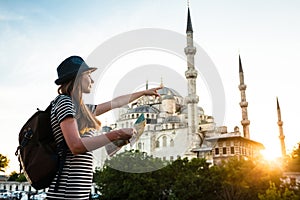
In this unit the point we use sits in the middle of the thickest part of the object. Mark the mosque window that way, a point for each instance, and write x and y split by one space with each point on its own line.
172 143
157 144
171 158
147 115
164 141
139 145
127 125
132 116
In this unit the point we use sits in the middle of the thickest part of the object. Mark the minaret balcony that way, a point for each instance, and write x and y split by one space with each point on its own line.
191 73
280 123
190 50
242 87
281 137
244 104
245 122
191 99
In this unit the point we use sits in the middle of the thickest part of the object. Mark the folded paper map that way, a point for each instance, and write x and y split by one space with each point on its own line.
139 126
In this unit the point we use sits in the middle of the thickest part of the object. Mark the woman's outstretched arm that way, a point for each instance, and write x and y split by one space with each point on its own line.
124 100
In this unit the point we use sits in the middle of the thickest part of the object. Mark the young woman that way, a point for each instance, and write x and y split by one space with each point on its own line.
74 123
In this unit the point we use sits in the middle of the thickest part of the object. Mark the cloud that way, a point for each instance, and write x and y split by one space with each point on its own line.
11 17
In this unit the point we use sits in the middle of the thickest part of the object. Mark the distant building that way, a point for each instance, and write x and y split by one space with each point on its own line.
3 178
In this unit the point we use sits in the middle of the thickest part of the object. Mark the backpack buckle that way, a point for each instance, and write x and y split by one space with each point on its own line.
29 133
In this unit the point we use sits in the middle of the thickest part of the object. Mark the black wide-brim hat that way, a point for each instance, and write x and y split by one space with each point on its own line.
69 69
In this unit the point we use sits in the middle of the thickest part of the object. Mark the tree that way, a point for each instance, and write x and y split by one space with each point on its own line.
191 179
293 163
235 179
273 193
244 179
3 163
116 184
14 176
181 179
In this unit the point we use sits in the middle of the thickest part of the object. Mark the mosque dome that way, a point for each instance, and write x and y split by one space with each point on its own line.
144 109
168 91
106 129
168 96
184 109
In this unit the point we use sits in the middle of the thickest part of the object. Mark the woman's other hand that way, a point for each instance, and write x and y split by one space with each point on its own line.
125 133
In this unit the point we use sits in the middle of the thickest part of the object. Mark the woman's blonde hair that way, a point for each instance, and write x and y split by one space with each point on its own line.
85 119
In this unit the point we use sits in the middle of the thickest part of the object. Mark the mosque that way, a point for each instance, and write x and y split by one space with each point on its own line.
177 127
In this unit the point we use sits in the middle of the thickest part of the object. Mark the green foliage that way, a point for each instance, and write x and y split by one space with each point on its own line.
186 179
244 179
14 176
134 161
116 184
21 178
193 176
3 163
273 193
293 163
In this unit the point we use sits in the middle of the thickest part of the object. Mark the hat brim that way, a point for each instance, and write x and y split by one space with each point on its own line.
70 76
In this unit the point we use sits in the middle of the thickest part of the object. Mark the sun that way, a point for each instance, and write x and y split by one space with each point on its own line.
270 154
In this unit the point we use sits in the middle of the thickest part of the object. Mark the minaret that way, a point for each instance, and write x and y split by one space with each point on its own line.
244 104
281 135
191 75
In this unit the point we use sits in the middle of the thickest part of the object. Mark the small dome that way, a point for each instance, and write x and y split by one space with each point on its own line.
184 109
172 119
106 129
143 109
200 109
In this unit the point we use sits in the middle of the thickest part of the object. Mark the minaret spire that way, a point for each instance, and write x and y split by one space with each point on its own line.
244 104
240 65
281 135
189 27
191 75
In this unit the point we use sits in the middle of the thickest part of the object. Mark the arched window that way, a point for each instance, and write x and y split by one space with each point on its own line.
139 145
157 144
172 143
164 141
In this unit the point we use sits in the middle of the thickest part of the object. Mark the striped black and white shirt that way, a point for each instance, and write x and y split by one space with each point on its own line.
76 177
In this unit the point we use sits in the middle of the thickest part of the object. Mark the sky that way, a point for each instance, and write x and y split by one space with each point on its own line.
37 35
